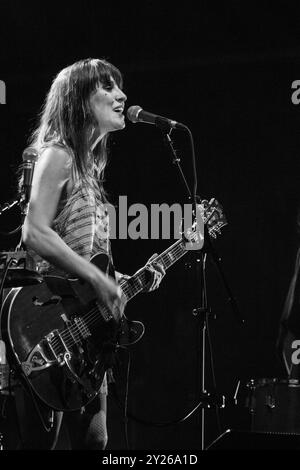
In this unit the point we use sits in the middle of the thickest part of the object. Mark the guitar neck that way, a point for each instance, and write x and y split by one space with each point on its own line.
214 220
138 281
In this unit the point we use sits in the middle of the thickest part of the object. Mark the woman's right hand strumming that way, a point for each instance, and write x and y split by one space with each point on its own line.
111 294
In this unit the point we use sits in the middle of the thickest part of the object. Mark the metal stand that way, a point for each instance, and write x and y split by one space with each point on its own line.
202 313
203 310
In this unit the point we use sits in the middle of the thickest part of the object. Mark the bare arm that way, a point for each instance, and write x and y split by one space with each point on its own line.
51 173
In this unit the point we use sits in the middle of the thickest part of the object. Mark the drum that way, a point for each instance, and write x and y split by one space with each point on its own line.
274 405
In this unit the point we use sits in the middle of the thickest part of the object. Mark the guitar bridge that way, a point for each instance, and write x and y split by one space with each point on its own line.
51 350
58 346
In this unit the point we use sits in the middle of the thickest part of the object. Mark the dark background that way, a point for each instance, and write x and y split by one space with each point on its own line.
225 70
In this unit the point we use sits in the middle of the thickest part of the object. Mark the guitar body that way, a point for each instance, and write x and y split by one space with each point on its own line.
62 340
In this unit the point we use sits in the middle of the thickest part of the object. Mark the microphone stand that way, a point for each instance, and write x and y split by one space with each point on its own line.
11 203
20 201
202 311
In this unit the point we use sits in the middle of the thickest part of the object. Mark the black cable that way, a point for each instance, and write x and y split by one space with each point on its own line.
153 423
193 164
23 381
9 262
128 414
7 206
12 232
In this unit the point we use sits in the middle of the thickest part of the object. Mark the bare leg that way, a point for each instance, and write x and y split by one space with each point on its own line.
96 437
87 428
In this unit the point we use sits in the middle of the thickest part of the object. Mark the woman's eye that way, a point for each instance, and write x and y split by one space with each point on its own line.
108 87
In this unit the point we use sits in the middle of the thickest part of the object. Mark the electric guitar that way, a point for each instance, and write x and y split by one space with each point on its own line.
62 339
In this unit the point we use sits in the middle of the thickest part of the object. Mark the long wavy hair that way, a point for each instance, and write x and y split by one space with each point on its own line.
66 118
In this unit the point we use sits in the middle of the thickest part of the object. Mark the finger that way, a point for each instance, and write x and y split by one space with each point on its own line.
151 278
159 267
159 273
158 281
152 258
157 277
117 311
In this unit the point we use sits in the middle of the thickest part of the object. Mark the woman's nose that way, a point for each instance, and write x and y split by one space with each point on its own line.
121 95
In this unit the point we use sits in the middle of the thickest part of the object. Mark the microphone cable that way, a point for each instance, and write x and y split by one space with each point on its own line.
128 414
5 271
9 205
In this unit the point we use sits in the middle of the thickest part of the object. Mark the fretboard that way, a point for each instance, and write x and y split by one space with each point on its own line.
138 281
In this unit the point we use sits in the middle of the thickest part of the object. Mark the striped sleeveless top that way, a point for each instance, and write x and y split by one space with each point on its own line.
82 221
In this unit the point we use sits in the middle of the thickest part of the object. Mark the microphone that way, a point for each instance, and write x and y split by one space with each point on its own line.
29 156
137 114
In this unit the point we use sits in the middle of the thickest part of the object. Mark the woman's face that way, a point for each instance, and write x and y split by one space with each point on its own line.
107 104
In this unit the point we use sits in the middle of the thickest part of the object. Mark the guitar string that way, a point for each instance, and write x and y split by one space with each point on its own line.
93 315
177 250
167 260
89 318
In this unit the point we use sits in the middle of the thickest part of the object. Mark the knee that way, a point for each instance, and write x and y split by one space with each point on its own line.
97 436
101 443
97 443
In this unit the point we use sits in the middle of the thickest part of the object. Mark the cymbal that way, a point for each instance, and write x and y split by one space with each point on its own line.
21 277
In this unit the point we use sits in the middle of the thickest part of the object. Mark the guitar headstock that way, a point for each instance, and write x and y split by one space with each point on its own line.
213 216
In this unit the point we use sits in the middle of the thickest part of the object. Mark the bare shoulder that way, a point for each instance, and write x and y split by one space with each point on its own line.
55 160
55 157
51 173
53 169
